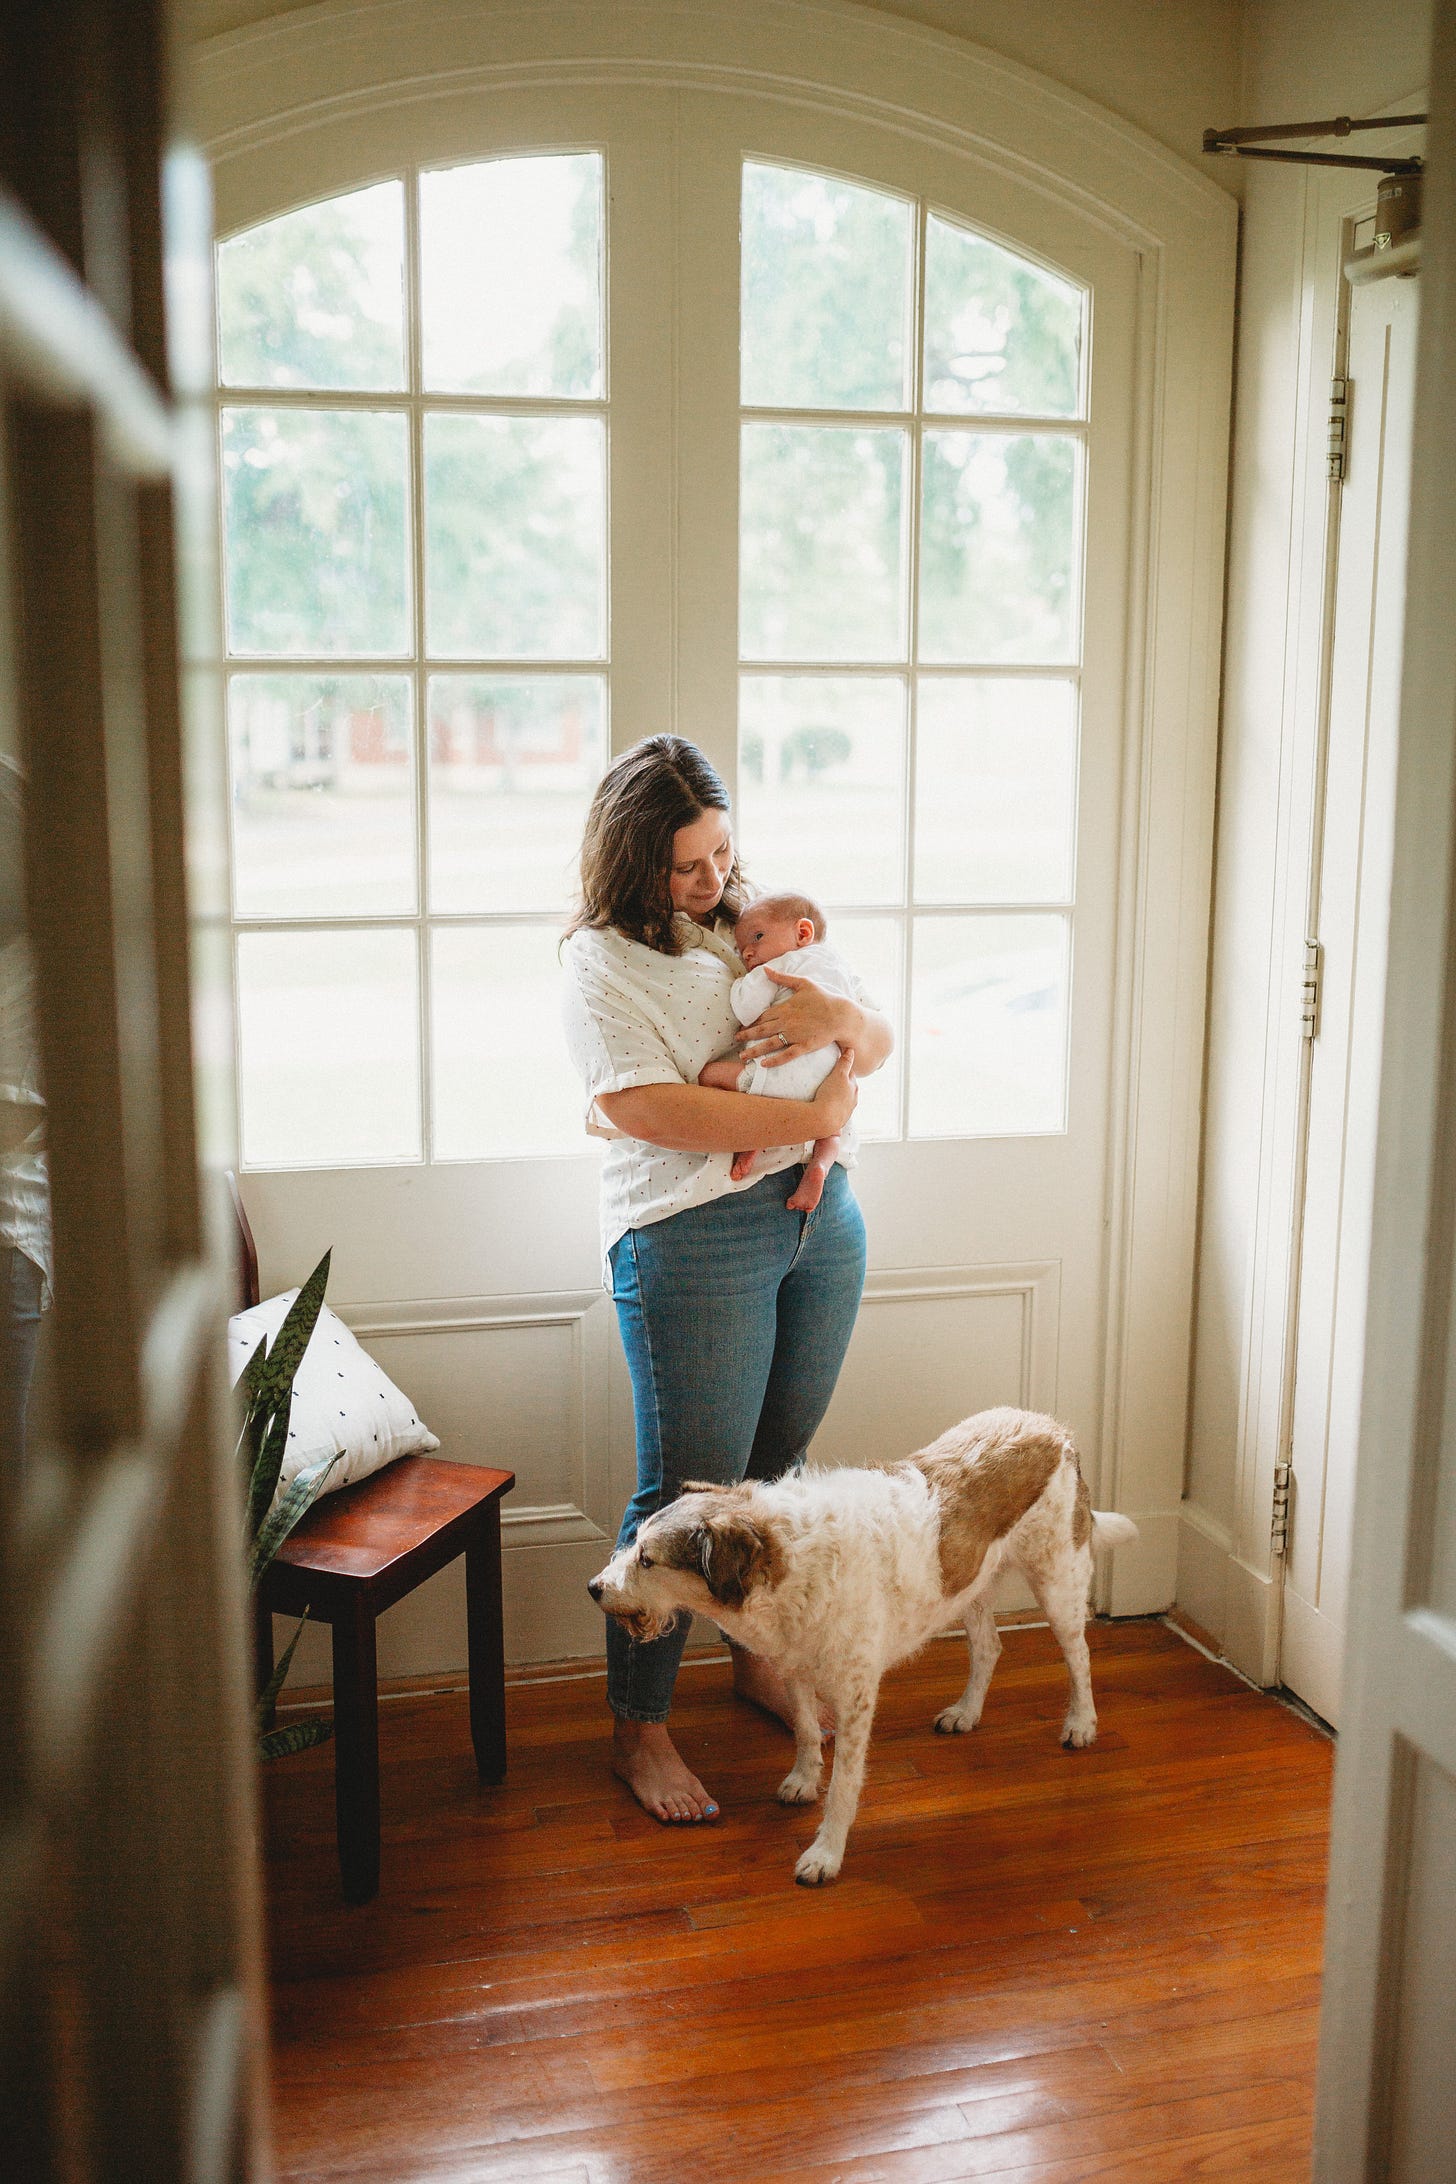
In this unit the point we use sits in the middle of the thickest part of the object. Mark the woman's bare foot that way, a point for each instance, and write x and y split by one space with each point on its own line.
761 1684
647 1760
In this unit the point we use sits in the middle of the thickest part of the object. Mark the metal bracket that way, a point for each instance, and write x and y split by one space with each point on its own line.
1254 143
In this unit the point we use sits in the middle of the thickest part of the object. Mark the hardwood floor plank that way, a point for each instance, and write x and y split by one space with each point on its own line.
1037 1964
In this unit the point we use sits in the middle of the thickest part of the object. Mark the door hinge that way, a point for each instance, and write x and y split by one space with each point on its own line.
1339 418
1279 1524
1309 992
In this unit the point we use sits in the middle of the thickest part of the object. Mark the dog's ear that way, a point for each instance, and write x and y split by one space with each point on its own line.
733 1553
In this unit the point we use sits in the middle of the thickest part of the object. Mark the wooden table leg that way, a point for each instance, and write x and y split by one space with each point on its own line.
486 1641
356 1750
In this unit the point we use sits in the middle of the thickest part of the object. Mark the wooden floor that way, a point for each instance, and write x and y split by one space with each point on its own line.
1038 1965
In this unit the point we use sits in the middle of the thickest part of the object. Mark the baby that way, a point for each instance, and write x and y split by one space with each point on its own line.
784 932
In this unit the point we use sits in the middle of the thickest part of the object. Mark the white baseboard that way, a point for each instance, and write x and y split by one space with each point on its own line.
1237 1605
1204 1549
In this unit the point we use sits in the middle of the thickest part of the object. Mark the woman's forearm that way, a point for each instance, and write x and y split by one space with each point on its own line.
693 1118
871 1037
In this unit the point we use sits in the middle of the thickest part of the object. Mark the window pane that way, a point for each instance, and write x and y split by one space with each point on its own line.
515 537
988 1026
323 802
513 764
827 297
822 543
995 790
511 277
1000 334
502 1081
315 532
821 765
873 946
997 547
316 298
330 1047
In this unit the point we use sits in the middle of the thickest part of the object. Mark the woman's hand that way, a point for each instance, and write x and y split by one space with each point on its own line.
810 1017
834 1102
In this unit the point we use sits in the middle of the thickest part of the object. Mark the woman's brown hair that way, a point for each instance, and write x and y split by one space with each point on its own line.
661 784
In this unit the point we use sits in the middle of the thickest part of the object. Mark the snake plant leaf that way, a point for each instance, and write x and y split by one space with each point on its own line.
270 1383
248 1376
296 1737
268 1696
267 1465
298 1499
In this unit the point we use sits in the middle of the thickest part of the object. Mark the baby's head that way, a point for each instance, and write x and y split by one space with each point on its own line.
774 924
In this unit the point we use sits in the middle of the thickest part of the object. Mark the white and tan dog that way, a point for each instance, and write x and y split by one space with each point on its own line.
834 1576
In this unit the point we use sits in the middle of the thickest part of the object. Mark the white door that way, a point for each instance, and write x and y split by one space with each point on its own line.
1388 2020
1354 905
923 690
132 2037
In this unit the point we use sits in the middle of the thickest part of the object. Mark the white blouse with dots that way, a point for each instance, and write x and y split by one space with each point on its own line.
634 1016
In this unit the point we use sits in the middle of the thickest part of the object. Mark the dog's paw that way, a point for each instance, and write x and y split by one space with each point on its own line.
1078 1732
817 1866
799 1789
954 1721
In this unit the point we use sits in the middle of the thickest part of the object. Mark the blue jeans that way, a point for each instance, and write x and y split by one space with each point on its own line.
735 1317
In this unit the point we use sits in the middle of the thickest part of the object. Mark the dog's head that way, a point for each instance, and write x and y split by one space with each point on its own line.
705 1551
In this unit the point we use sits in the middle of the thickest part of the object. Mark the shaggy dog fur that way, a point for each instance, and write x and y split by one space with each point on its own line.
834 1576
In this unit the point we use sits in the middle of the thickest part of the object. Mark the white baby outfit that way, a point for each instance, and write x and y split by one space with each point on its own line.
634 1016
801 1078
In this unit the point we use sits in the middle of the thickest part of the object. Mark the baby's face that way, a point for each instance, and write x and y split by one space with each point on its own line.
760 936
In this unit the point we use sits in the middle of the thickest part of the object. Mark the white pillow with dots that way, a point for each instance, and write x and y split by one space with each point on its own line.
344 1404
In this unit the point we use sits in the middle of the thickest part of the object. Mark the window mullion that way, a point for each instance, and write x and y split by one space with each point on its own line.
706 397
912 683
413 381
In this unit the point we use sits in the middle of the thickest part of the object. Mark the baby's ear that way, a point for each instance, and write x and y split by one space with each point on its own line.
804 932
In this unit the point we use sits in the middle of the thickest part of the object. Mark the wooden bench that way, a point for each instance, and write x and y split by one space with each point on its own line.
355 1554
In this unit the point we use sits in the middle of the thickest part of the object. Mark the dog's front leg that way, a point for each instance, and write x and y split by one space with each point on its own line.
800 1785
853 1701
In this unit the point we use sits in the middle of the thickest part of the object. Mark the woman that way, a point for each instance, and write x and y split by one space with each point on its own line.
735 1312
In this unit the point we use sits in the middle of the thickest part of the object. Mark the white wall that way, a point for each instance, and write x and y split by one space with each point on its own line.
1168 66
1303 59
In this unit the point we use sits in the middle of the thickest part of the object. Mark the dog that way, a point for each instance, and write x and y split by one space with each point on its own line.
835 1575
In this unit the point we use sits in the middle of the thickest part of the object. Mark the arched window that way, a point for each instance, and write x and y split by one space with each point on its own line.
418 546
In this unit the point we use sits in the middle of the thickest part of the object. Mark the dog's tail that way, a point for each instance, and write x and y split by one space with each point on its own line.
1111 1530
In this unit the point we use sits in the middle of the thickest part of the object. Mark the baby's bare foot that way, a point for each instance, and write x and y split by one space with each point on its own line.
742 1164
761 1684
646 1759
809 1192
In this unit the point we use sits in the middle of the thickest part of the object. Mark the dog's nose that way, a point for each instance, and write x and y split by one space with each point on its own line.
594 1587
